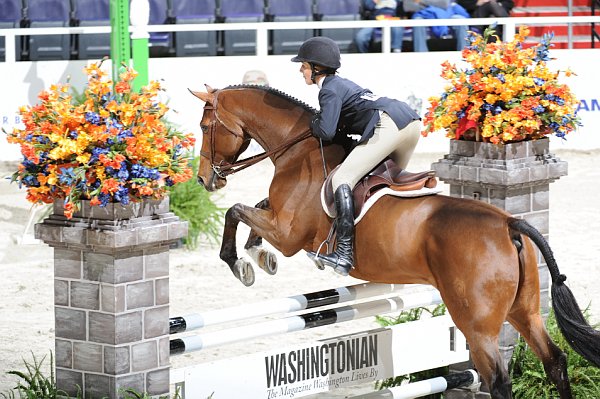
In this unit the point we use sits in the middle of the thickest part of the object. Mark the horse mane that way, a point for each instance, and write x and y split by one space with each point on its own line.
276 92
346 142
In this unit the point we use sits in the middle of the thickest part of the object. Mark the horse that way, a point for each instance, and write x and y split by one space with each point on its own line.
480 258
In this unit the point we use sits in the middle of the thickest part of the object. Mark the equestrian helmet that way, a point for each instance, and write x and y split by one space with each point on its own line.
319 50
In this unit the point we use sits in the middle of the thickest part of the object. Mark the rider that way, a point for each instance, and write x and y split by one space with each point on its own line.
385 125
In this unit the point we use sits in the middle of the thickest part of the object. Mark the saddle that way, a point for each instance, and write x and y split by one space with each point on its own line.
387 175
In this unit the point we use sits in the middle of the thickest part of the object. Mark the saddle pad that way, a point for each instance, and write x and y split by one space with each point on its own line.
384 191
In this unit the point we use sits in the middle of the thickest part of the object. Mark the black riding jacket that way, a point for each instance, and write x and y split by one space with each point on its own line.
349 109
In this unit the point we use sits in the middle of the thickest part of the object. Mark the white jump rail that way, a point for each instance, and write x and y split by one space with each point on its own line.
319 366
304 321
262 28
468 379
290 304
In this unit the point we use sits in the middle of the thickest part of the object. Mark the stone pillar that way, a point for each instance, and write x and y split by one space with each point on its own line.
515 177
111 296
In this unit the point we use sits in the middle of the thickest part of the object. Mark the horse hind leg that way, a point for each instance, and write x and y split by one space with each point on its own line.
489 364
531 327
264 258
524 315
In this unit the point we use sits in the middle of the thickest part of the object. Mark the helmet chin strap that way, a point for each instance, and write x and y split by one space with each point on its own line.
314 73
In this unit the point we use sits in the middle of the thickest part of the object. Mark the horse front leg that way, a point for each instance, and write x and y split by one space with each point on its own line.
262 223
264 258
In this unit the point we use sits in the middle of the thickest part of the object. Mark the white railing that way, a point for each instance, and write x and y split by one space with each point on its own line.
262 28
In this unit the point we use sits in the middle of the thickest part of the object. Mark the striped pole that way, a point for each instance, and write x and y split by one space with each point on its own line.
466 379
303 321
282 305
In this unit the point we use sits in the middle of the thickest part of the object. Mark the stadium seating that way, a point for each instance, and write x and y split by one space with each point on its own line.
288 41
10 17
241 42
194 12
339 10
49 13
92 13
161 43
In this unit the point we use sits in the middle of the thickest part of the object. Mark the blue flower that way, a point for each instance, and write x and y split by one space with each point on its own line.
123 173
73 134
122 195
104 199
31 181
66 176
539 109
501 78
96 153
93 118
539 81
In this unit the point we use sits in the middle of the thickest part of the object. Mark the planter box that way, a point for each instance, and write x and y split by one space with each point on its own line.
111 296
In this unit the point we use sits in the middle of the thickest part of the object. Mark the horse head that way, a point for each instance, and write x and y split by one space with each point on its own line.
223 140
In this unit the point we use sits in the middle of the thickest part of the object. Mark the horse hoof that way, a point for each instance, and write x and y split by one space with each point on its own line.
244 272
268 262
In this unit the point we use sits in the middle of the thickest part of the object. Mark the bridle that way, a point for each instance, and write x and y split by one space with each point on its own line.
224 168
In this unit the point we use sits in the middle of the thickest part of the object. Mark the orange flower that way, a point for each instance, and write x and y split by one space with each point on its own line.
122 87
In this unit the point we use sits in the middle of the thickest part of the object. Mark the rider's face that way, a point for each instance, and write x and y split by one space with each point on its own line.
306 72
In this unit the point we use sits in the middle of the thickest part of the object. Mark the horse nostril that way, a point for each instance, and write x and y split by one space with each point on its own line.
201 181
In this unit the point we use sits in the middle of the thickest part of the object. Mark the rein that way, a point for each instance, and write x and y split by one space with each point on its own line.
224 168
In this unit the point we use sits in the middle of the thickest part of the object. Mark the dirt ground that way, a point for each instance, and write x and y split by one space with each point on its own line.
200 281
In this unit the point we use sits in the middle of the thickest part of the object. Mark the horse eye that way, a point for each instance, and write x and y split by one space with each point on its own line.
204 128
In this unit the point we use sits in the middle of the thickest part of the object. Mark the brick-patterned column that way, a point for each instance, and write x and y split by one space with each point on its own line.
515 177
111 296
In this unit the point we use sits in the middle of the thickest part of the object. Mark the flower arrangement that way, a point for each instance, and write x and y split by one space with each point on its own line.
506 94
113 147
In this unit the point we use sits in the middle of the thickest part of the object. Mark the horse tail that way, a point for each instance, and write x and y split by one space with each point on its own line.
580 335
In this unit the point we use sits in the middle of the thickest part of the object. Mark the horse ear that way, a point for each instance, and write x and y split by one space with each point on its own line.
206 97
209 89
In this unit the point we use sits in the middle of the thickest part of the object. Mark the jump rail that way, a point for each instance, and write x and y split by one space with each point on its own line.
318 366
301 322
467 379
283 305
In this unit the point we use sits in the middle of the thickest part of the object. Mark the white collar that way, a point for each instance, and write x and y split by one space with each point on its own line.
320 81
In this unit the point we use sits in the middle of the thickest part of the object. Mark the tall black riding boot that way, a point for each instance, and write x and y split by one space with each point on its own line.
342 258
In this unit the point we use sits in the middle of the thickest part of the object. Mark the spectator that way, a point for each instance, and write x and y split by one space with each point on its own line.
255 77
379 9
488 9
436 9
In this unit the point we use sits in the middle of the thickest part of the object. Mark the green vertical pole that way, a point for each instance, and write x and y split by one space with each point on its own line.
120 51
140 13
140 61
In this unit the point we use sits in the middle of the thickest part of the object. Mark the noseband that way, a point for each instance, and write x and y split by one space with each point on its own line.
224 168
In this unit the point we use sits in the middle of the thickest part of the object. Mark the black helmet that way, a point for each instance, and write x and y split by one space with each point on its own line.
319 50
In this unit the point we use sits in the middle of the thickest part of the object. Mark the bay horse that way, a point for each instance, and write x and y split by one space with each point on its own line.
482 260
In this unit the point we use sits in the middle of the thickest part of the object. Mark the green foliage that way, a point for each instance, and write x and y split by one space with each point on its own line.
191 202
405 317
529 379
36 385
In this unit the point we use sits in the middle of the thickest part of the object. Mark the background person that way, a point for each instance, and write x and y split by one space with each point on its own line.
436 9
374 9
